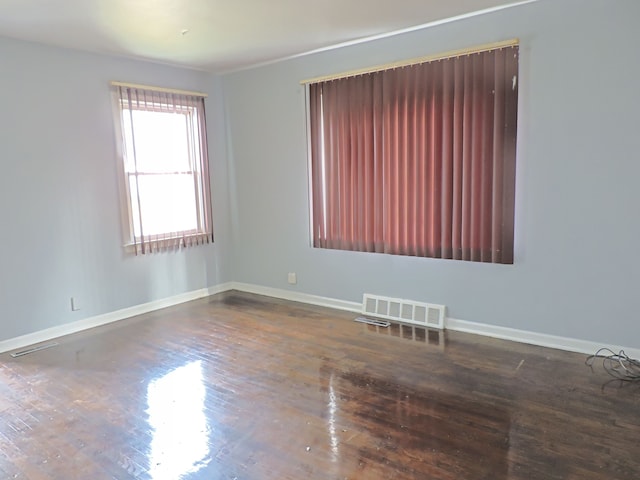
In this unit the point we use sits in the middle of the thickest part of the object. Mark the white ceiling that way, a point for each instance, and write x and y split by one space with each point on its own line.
220 35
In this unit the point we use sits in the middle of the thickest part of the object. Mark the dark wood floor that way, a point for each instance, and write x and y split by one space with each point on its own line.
239 386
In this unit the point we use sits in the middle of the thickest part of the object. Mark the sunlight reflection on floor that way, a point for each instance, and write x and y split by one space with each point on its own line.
180 431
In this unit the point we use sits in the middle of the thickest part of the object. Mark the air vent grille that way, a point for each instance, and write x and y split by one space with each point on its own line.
409 311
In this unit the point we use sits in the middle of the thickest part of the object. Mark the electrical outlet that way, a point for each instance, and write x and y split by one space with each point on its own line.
292 278
75 304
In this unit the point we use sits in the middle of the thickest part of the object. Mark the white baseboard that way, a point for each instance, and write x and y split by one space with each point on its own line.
505 333
298 297
221 287
533 338
98 320
486 330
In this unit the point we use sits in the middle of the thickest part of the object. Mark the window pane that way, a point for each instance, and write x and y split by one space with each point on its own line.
167 203
164 169
161 141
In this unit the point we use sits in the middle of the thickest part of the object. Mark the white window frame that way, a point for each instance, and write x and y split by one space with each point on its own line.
190 104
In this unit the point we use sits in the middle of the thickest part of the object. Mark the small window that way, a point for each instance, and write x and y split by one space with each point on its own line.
418 160
164 169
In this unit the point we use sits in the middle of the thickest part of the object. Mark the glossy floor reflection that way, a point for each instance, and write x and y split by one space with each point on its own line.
180 442
244 387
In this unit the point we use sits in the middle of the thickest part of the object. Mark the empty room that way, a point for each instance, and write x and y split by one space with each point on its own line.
319 240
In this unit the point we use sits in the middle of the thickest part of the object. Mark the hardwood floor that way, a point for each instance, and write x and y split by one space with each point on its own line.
239 386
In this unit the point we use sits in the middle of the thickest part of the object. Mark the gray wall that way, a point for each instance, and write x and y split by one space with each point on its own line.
577 221
577 227
59 205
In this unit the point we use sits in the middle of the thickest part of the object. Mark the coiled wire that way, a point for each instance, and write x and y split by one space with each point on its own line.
619 365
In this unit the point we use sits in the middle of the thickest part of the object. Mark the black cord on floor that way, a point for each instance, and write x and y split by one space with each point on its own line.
619 365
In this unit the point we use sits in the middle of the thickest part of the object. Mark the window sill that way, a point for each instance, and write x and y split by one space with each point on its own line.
168 244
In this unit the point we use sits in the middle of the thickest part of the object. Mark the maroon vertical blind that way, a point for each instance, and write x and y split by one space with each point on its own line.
418 160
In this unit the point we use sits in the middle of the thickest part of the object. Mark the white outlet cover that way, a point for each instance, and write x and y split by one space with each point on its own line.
292 278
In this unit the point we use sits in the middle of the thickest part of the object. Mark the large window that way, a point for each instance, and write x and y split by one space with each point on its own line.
164 168
418 160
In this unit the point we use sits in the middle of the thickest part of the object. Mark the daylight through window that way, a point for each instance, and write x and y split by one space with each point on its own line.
164 169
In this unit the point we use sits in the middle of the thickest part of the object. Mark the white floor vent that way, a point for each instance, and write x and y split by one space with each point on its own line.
417 313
